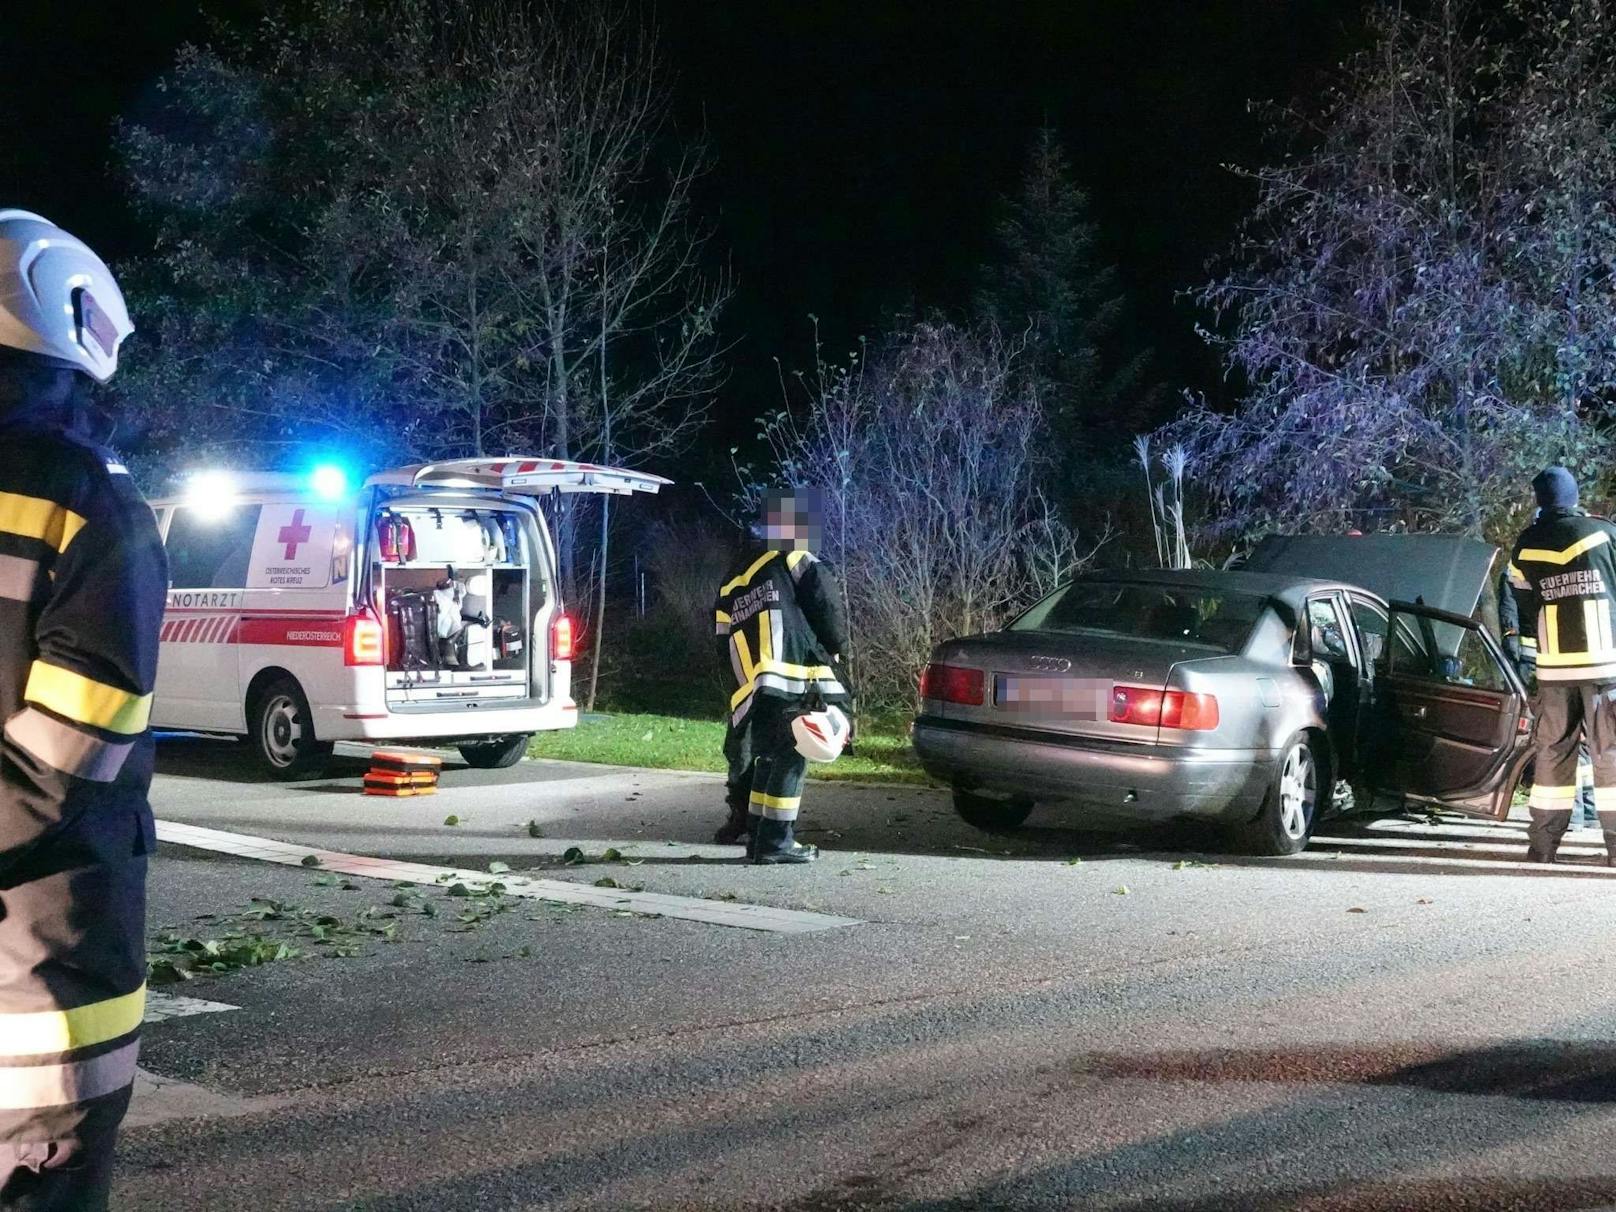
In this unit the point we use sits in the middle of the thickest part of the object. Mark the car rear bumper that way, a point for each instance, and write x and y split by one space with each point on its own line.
1129 780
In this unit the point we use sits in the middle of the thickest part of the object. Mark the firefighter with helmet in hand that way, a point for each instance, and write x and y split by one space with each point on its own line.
780 631
82 585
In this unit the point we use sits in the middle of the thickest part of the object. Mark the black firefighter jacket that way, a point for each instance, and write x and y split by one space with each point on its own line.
778 622
1563 577
82 584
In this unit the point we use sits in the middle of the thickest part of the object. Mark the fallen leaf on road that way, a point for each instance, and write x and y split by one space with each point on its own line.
611 855
498 868
311 860
451 819
972 849
1120 890
572 856
1074 862
1357 909
1424 900
607 881
533 829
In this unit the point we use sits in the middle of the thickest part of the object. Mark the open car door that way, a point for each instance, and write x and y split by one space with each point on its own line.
534 477
1450 720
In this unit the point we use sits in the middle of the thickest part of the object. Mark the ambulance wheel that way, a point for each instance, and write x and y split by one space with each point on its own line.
283 732
496 754
991 814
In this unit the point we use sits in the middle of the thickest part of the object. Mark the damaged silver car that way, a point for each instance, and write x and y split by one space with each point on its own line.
1241 697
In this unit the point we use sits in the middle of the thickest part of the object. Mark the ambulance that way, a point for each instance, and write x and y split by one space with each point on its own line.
422 606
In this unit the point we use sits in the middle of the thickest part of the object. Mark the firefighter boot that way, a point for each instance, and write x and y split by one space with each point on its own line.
735 828
775 845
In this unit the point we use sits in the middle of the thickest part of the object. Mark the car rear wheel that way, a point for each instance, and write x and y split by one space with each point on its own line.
1289 810
993 815
282 733
495 754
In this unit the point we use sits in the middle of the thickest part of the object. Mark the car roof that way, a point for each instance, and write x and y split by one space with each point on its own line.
1290 589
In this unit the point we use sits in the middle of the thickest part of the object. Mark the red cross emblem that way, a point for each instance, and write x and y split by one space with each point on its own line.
294 533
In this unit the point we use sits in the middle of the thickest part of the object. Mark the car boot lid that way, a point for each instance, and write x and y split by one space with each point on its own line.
1446 571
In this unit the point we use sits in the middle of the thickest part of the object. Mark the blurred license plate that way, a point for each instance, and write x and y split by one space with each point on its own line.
1067 698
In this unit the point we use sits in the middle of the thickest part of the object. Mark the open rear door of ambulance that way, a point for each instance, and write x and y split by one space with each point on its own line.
546 634
533 477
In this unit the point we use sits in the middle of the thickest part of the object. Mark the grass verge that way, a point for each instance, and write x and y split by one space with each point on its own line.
881 753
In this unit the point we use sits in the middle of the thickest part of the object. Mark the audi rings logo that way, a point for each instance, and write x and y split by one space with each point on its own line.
1046 664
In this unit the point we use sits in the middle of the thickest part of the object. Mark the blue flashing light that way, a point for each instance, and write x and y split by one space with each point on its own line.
329 482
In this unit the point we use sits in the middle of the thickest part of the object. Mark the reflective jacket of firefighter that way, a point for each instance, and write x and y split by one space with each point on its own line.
1563 572
1563 576
778 623
82 584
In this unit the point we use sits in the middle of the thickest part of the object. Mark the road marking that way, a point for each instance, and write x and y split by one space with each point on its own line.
163 1006
690 908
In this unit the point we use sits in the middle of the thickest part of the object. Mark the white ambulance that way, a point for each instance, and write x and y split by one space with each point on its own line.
422 606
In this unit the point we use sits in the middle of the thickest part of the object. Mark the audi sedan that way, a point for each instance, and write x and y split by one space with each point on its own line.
1240 697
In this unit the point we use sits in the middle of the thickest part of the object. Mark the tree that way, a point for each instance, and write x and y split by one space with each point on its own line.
1048 280
422 229
1420 302
928 457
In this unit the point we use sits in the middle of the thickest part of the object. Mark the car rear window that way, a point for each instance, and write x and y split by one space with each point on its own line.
1212 618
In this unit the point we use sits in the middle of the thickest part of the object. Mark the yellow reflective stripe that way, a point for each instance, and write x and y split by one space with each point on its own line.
87 701
1551 799
36 518
1551 631
797 557
1517 578
42 1032
1563 660
1528 642
765 800
1541 555
745 578
722 616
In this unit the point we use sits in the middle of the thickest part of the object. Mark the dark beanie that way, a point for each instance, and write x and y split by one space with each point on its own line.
1555 488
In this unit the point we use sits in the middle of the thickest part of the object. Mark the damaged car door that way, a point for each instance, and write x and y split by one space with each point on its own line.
1450 721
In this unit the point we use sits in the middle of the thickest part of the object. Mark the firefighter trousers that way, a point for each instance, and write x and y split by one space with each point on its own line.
72 993
765 764
1569 715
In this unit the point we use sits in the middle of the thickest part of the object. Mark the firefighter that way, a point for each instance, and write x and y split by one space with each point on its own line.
780 631
82 583
1563 577
1522 652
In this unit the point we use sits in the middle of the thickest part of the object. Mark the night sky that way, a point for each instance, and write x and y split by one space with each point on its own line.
859 146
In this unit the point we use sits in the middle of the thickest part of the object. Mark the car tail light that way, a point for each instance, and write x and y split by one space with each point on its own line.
1164 708
363 640
561 638
953 684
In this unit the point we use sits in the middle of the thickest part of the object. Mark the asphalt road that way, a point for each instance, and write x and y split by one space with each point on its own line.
1402 1017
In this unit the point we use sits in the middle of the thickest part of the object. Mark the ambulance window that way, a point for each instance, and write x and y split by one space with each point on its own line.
210 551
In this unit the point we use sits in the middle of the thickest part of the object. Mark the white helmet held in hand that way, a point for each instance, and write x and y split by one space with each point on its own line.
821 735
57 298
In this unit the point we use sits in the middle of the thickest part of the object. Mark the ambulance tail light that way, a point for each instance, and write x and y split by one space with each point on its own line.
561 638
363 640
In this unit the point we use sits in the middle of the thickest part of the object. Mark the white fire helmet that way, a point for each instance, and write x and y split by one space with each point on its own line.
57 298
821 735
